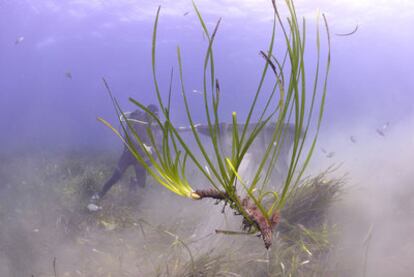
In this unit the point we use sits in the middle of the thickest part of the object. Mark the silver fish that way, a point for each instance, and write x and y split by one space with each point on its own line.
18 40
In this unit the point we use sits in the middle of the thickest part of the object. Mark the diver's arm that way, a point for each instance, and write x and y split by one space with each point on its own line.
202 129
188 128
153 126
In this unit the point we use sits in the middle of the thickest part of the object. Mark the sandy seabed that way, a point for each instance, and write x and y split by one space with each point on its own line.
46 229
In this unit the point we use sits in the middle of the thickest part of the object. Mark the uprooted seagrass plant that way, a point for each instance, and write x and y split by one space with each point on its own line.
291 100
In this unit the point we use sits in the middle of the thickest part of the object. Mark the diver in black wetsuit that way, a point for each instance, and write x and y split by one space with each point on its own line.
260 143
225 136
139 121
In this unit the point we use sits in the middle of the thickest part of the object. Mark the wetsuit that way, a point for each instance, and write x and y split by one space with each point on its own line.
127 159
260 144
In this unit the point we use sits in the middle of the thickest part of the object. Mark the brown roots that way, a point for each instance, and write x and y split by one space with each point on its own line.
253 217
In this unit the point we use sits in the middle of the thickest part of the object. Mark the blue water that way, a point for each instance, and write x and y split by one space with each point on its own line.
54 54
41 106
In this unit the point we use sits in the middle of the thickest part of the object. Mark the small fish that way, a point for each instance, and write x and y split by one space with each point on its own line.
18 40
197 91
330 154
353 139
68 75
380 132
186 13
324 150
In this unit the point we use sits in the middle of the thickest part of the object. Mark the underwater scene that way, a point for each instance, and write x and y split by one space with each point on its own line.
206 138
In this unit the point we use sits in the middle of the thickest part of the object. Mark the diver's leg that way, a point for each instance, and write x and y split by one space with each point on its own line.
286 150
123 163
140 177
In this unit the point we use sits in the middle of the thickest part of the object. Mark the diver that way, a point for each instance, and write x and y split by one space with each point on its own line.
139 120
260 145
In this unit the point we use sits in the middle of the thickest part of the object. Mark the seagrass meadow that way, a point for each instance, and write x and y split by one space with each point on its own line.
49 229
242 138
